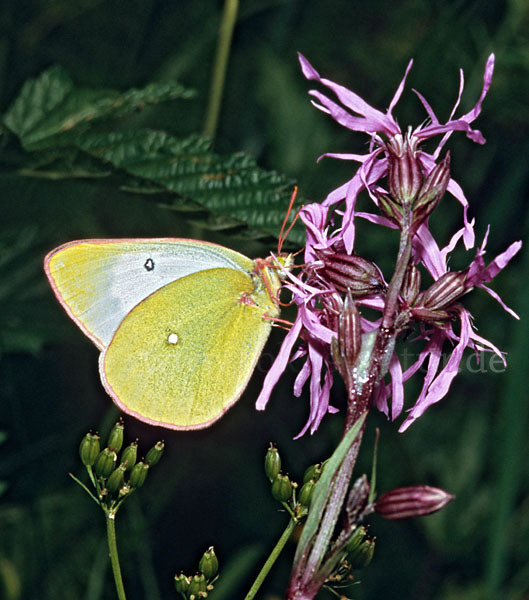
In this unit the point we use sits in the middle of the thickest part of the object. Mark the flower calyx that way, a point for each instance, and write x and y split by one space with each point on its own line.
350 272
411 501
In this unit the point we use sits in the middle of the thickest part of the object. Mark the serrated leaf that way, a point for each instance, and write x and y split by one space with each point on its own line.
61 128
232 187
50 106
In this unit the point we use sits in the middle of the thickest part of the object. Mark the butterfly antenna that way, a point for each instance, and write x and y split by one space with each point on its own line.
282 236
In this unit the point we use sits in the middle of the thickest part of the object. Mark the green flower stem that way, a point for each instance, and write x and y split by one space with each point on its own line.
271 560
113 553
229 17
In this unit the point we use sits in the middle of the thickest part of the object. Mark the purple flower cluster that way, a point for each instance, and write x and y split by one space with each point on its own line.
415 176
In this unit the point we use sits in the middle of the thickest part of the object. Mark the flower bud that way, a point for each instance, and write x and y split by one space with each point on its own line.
197 587
105 463
306 492
154 454
357 537
129 455
362 555
181 584
89 449
138 474
350 272
411 285
116 479
349 331
404 171
443 292
431 192
412 501
436 317
313 472
115 438
272 463
390 209
209 564
282 488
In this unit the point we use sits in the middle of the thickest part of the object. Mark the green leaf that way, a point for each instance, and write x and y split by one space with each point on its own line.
50 106
232 187
322 494
66 133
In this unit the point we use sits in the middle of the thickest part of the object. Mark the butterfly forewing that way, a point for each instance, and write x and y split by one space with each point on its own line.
100 281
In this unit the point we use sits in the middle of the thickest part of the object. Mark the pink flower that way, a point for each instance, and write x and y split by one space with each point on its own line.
354 113
415 177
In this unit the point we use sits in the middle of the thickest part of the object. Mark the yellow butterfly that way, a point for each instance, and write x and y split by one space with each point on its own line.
180 323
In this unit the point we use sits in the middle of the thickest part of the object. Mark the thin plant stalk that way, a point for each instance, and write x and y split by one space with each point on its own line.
285 536
229 17
110 517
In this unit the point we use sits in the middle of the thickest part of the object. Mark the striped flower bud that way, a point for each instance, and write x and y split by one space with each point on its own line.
357 537
115 437
197 587
129 455
413 501
105 463
411 285
431 192
349 272
116 479
349 334
89 449
272 464
181 584
155 453
138 474
390 209
282 488
313 472
209 564
404 171
306 492
361 556
443 292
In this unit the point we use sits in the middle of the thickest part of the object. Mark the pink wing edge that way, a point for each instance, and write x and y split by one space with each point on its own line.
99 241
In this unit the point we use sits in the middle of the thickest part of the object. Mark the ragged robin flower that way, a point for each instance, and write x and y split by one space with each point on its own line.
406 184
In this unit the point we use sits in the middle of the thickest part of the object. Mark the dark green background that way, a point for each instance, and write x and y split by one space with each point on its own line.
210 488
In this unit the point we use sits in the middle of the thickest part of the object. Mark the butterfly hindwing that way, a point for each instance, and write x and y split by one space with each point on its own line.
184 355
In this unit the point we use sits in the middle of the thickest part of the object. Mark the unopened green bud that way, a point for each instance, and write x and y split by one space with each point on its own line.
181 583
115 438
362 555
306 492
282 488
313 472
356 538
138 474
116 479
272 463
154 454
198 587
129 455
89 449
209 564
105 462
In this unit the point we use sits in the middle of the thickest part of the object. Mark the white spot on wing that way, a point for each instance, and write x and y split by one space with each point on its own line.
172 338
